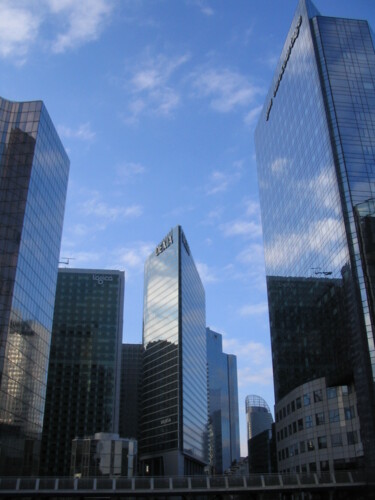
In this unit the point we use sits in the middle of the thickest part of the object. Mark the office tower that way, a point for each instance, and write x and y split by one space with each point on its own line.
224 445
173 436
83 387
262 452
315 146
259 435
104 454
258 415
33 181
130 390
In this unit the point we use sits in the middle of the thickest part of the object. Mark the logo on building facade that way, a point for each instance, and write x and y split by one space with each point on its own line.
286 59
101 278
165 243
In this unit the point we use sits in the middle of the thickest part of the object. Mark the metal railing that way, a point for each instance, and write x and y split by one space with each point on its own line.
40 487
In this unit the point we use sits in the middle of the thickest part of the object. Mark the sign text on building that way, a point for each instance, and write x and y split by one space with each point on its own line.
286 59
163 245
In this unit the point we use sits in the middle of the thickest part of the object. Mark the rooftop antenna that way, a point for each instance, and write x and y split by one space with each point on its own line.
66 260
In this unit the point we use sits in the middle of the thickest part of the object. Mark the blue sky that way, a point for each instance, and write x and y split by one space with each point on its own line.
156 103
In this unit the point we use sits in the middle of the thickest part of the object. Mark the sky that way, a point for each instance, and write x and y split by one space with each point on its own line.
156 102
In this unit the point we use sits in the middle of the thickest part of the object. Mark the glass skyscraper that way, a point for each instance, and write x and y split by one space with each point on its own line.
83 387
173 436
224 435
315 147
34 172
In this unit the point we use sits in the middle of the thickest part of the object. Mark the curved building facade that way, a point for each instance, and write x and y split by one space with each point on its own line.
258 416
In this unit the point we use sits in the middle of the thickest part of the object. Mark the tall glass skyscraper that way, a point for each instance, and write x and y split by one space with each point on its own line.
34 172
224 435
173 436
83 388
315 146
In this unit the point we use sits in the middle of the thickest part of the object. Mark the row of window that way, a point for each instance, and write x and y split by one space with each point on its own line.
316 397
320 443
308 422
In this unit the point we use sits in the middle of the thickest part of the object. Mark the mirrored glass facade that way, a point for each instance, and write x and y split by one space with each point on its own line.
315 145
83 388
224 443
173 437
34 172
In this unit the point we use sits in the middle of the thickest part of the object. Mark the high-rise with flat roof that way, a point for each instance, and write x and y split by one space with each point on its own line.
83 387
315 148
173 436
224 442
34 171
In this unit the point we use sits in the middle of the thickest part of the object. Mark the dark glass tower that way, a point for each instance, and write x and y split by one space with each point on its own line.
83 388
315 145
224 442
130 392
173 437
34 172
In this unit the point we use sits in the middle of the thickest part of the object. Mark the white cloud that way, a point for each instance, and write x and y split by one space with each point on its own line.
248 376
19 27
98 208
85 20
133 256
83 132
246 228
252 115
151 85
227 89
206 273
252 255
254 309
75 22
250 353
129 171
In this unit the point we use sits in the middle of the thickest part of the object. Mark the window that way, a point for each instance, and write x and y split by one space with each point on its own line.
334 415
310 445
302 447
306 399
324 466
318 396
352 437
308 421
349 413
293 406
319 418
312 466
294 427
336 440
300 424
298 403
322 442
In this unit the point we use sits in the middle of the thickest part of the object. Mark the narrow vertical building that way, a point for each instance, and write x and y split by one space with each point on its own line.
173 437
34 172
130 390
224 440
83 388
315 148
